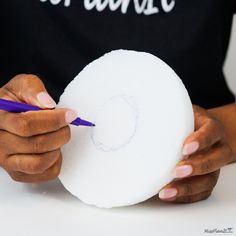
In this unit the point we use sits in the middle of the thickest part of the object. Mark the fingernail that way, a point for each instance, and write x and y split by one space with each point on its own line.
190 148
45 100
182 171
168 193
70 116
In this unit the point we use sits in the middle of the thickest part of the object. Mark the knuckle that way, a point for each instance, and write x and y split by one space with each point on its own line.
29 79
207 138
195 197
217 127
36 167
57 120
217 124
38 143
42 163
197 109
56 168
205 195
212 180
16 176
205 165
228 153
187 189
11 84
2 132
22 78
7 144
185 199
3 140
2 159
23 126
57 155
66 134
220 130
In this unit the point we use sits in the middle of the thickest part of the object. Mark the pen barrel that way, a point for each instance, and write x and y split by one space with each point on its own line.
11 106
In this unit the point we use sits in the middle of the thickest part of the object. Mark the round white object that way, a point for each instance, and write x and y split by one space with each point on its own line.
142 113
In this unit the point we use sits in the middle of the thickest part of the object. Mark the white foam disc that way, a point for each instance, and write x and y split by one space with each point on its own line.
142 113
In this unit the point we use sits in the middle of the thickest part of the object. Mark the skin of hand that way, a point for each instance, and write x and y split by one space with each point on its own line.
30 142
211 146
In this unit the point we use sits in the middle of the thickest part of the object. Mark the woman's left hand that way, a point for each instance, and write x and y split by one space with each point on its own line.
205 152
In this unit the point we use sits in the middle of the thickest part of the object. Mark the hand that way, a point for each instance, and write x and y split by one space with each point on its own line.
30 142
205 152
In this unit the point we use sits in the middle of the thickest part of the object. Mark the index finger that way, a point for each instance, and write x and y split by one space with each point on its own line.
36 122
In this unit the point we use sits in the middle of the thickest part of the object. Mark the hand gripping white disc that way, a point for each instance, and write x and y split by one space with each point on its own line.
142 113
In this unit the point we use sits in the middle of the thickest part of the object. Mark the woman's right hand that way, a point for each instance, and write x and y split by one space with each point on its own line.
30 142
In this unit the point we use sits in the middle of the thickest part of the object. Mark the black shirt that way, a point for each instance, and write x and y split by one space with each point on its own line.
55 39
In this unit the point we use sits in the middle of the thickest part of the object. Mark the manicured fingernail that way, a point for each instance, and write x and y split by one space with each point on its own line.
168 193
190 148
70 116
45 100
182 171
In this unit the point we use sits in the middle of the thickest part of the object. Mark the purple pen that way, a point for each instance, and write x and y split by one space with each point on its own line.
18 107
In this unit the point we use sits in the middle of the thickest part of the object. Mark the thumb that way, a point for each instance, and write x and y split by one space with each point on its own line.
31 90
